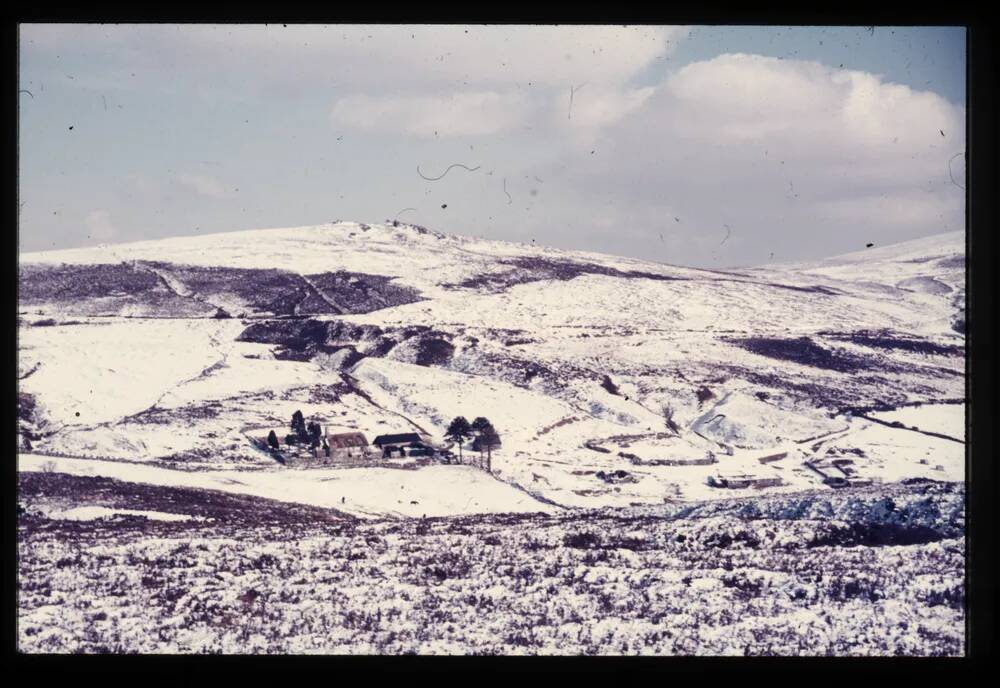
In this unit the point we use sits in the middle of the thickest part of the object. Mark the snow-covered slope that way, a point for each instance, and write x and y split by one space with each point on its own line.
611 381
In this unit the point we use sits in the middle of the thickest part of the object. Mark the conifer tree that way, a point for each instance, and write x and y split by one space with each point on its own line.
458 431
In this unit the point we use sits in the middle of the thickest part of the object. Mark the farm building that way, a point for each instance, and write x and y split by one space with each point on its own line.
347 444
738 481
331 448
773 457
419 449
403 444
848 477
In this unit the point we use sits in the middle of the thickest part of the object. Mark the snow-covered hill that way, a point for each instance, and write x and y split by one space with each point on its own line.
612 381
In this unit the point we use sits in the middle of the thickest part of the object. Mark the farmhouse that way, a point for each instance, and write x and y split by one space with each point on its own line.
347 444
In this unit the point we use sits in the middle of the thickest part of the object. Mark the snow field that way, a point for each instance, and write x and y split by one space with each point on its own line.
363 492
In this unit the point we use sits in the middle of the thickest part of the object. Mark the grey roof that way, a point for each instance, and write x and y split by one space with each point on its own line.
400 438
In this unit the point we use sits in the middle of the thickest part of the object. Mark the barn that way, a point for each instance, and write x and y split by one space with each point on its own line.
402 444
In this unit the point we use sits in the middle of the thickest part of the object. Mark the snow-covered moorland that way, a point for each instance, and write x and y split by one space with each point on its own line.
753 461
169 352
859 572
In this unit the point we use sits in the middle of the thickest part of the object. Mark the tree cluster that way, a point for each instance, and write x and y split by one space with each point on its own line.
303 433
460 430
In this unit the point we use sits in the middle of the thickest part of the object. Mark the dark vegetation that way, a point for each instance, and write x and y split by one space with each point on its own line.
486 436
28 431
668 411
51 322
533 269
811 289
459 430
355 292
805 351
884 339
434 350
419 229
481 430
261 291
616 477
105 288
871 392
160 416
26 407
267 577
41 283
875 535
610 386
66 491
301 340
307 435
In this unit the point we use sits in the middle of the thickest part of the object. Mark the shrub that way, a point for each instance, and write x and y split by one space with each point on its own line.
668 417
610 386
581 540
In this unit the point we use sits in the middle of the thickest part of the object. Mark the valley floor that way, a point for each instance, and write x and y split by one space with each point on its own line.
868 571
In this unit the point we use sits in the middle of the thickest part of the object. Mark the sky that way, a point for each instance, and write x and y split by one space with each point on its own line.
709 146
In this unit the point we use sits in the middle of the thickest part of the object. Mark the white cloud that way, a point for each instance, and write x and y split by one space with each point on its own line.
99 225
785 152
457 114
439 54
773 148
750 98
481 113
203 185
297 58
526 70
598 105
